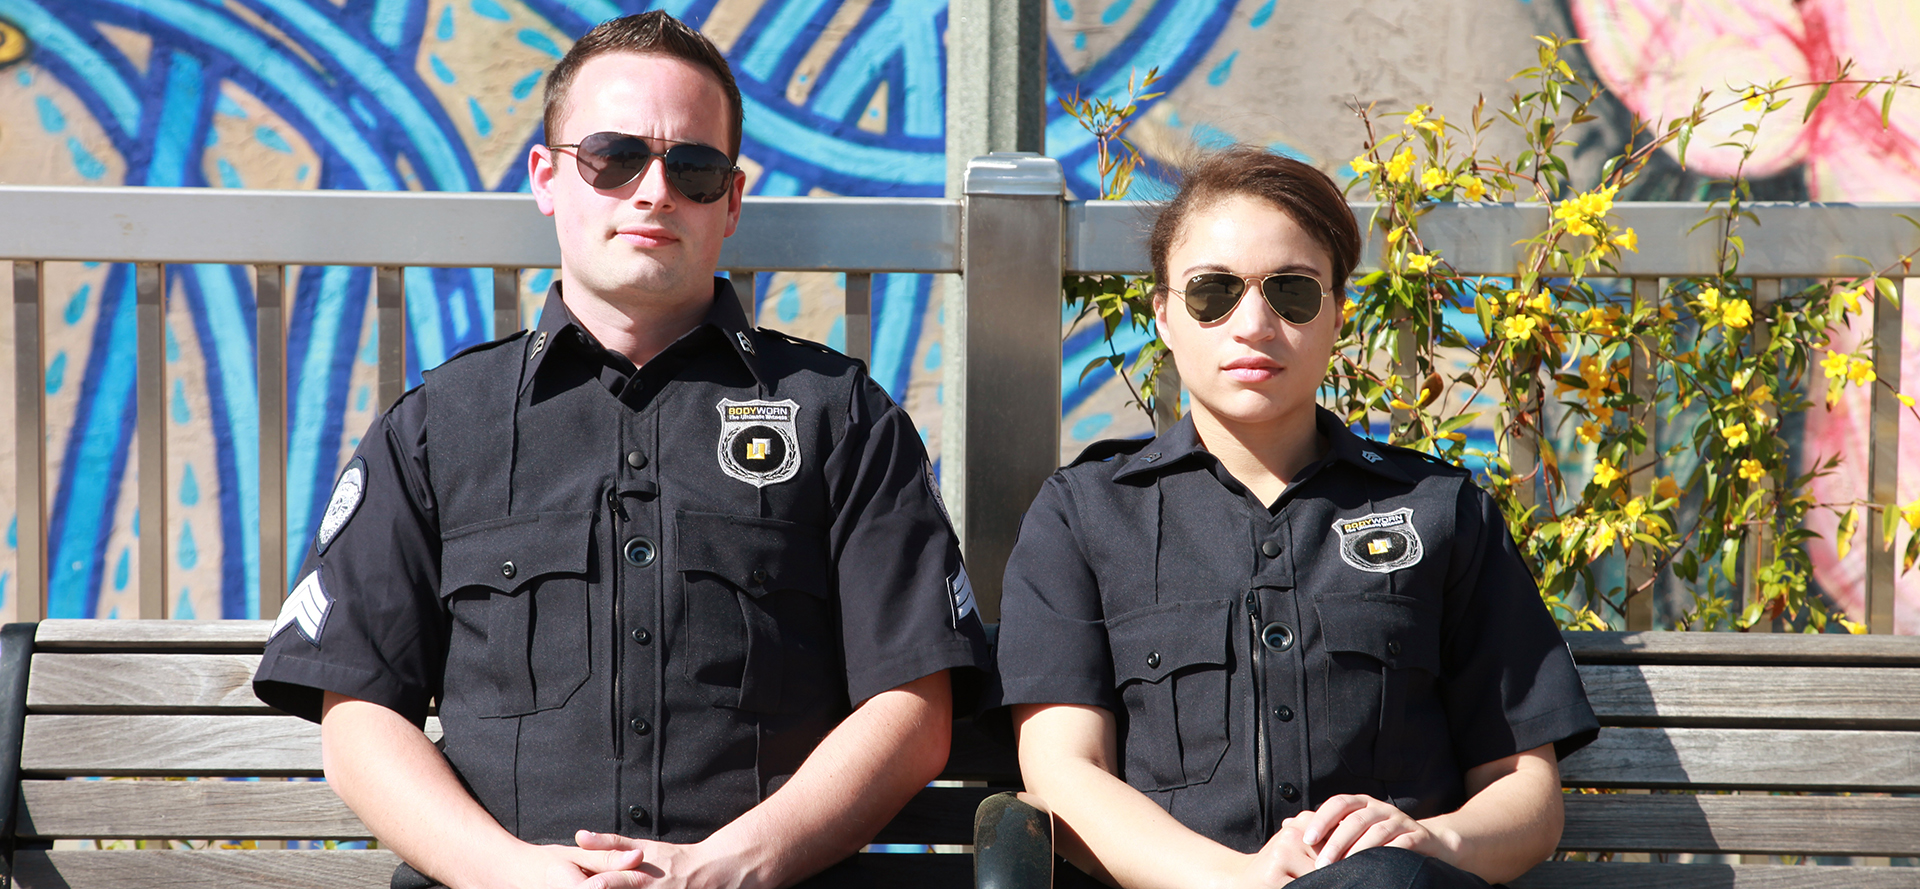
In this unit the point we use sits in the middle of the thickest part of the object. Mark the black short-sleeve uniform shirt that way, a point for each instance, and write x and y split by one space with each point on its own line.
1375 631
638 597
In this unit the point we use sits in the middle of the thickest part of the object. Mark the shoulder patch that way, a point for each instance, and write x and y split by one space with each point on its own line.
1380 543
306 610
348 493
960 596
1107 449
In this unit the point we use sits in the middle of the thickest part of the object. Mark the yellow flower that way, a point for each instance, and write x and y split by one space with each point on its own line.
1834 365
1752 471
1417 117
1851 296
1738 313
1601 541
1433 177
1518 327
1910 514
1603 414
1540 302
1636 508
1735 434
1400 167
1860 372
1668 314
1472 188
1399 405
1605 474
1627 240
1710 299
1905 399
1754 102
1396 233
1762 395
1420 263
1666 487
1362 166
1589 433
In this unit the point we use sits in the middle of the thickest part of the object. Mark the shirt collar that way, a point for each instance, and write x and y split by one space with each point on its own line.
725 315
1181 442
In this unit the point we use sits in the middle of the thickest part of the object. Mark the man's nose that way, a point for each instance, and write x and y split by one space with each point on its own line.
652 186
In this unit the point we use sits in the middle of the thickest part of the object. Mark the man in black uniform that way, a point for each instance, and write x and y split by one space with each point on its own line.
682 589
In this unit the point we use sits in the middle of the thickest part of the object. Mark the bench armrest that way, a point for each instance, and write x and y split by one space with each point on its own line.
1012 843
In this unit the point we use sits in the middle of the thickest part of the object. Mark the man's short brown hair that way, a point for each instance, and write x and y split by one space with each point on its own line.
649 33
1296 189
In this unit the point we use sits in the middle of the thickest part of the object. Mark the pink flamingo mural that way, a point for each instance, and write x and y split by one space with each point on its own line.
1657 55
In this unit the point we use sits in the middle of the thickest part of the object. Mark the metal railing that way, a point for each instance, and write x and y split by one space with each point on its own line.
1009 238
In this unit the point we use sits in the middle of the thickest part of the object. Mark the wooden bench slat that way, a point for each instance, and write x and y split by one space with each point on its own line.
1748 759
1616 875
1765 649
144 683
240 746
1720 823
1826 697
211 809
152 635
248 869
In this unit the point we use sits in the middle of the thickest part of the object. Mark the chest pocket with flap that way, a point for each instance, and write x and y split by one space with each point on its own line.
516 588
1170 666
1379 701
759 630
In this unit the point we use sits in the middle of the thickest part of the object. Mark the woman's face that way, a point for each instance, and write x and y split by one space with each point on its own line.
1250 367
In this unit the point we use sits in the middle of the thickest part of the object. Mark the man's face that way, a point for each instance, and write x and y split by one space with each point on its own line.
643 242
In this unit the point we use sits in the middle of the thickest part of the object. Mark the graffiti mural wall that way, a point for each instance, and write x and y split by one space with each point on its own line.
841 97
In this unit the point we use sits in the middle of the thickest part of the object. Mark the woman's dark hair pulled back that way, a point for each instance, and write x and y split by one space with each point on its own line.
1303 193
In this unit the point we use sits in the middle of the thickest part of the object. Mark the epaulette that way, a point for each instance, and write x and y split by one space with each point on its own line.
1430 460
818 347
489 344
1107 449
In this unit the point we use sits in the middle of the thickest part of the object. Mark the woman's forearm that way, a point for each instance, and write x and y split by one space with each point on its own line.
1512 820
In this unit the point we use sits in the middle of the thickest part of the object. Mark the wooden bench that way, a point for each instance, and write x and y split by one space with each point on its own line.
1711 743
98 699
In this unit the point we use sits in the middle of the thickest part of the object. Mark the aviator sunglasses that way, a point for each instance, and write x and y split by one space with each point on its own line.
1211 296
609 160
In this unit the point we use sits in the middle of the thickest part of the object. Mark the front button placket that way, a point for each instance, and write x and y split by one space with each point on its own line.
1277 663
638 565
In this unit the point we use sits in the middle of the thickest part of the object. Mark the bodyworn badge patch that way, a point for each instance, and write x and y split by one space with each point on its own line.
348 492
305 610
960 594
1381 542
758 441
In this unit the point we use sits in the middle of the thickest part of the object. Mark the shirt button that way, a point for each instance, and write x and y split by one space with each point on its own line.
642 636
1270 549
636 459
1393 648
1283 713
1288 792
640 726
640 551
1153 660
507 569
637 814
757 576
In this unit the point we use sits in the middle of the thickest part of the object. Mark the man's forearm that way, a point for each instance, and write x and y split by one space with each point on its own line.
848 788
407 795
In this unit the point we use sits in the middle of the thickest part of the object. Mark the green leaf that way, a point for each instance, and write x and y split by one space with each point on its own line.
1686 136
1813 101
1886 109
1889 523
1843 535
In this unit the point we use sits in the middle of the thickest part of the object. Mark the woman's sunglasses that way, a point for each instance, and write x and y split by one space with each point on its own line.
1211 296
609 160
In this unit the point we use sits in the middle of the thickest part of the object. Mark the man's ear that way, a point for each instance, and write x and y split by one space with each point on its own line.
734 196
540 177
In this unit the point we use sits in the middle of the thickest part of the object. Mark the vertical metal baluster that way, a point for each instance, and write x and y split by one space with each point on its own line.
150 330
1883 455
1641 607
1756 549
506 302
391 314
743 288
860 315
29 445
270 326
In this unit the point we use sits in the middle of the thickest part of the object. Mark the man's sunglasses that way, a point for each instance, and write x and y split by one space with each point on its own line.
609 160
1211 296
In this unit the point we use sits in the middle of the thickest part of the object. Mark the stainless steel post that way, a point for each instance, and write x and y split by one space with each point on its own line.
996 81
150 425
29 444
270 332
390 314
859 315
1001 435
506 302
1883 454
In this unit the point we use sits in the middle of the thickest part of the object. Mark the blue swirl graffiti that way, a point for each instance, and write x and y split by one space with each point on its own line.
373 119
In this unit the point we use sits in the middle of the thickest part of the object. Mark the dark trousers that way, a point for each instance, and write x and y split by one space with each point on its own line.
1389 868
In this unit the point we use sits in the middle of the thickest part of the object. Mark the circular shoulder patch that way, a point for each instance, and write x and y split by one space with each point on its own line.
348 492
1381 542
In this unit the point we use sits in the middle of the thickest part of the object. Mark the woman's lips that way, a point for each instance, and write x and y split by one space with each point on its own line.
1251 370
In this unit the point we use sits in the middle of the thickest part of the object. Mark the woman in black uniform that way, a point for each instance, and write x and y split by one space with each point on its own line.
1259 648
